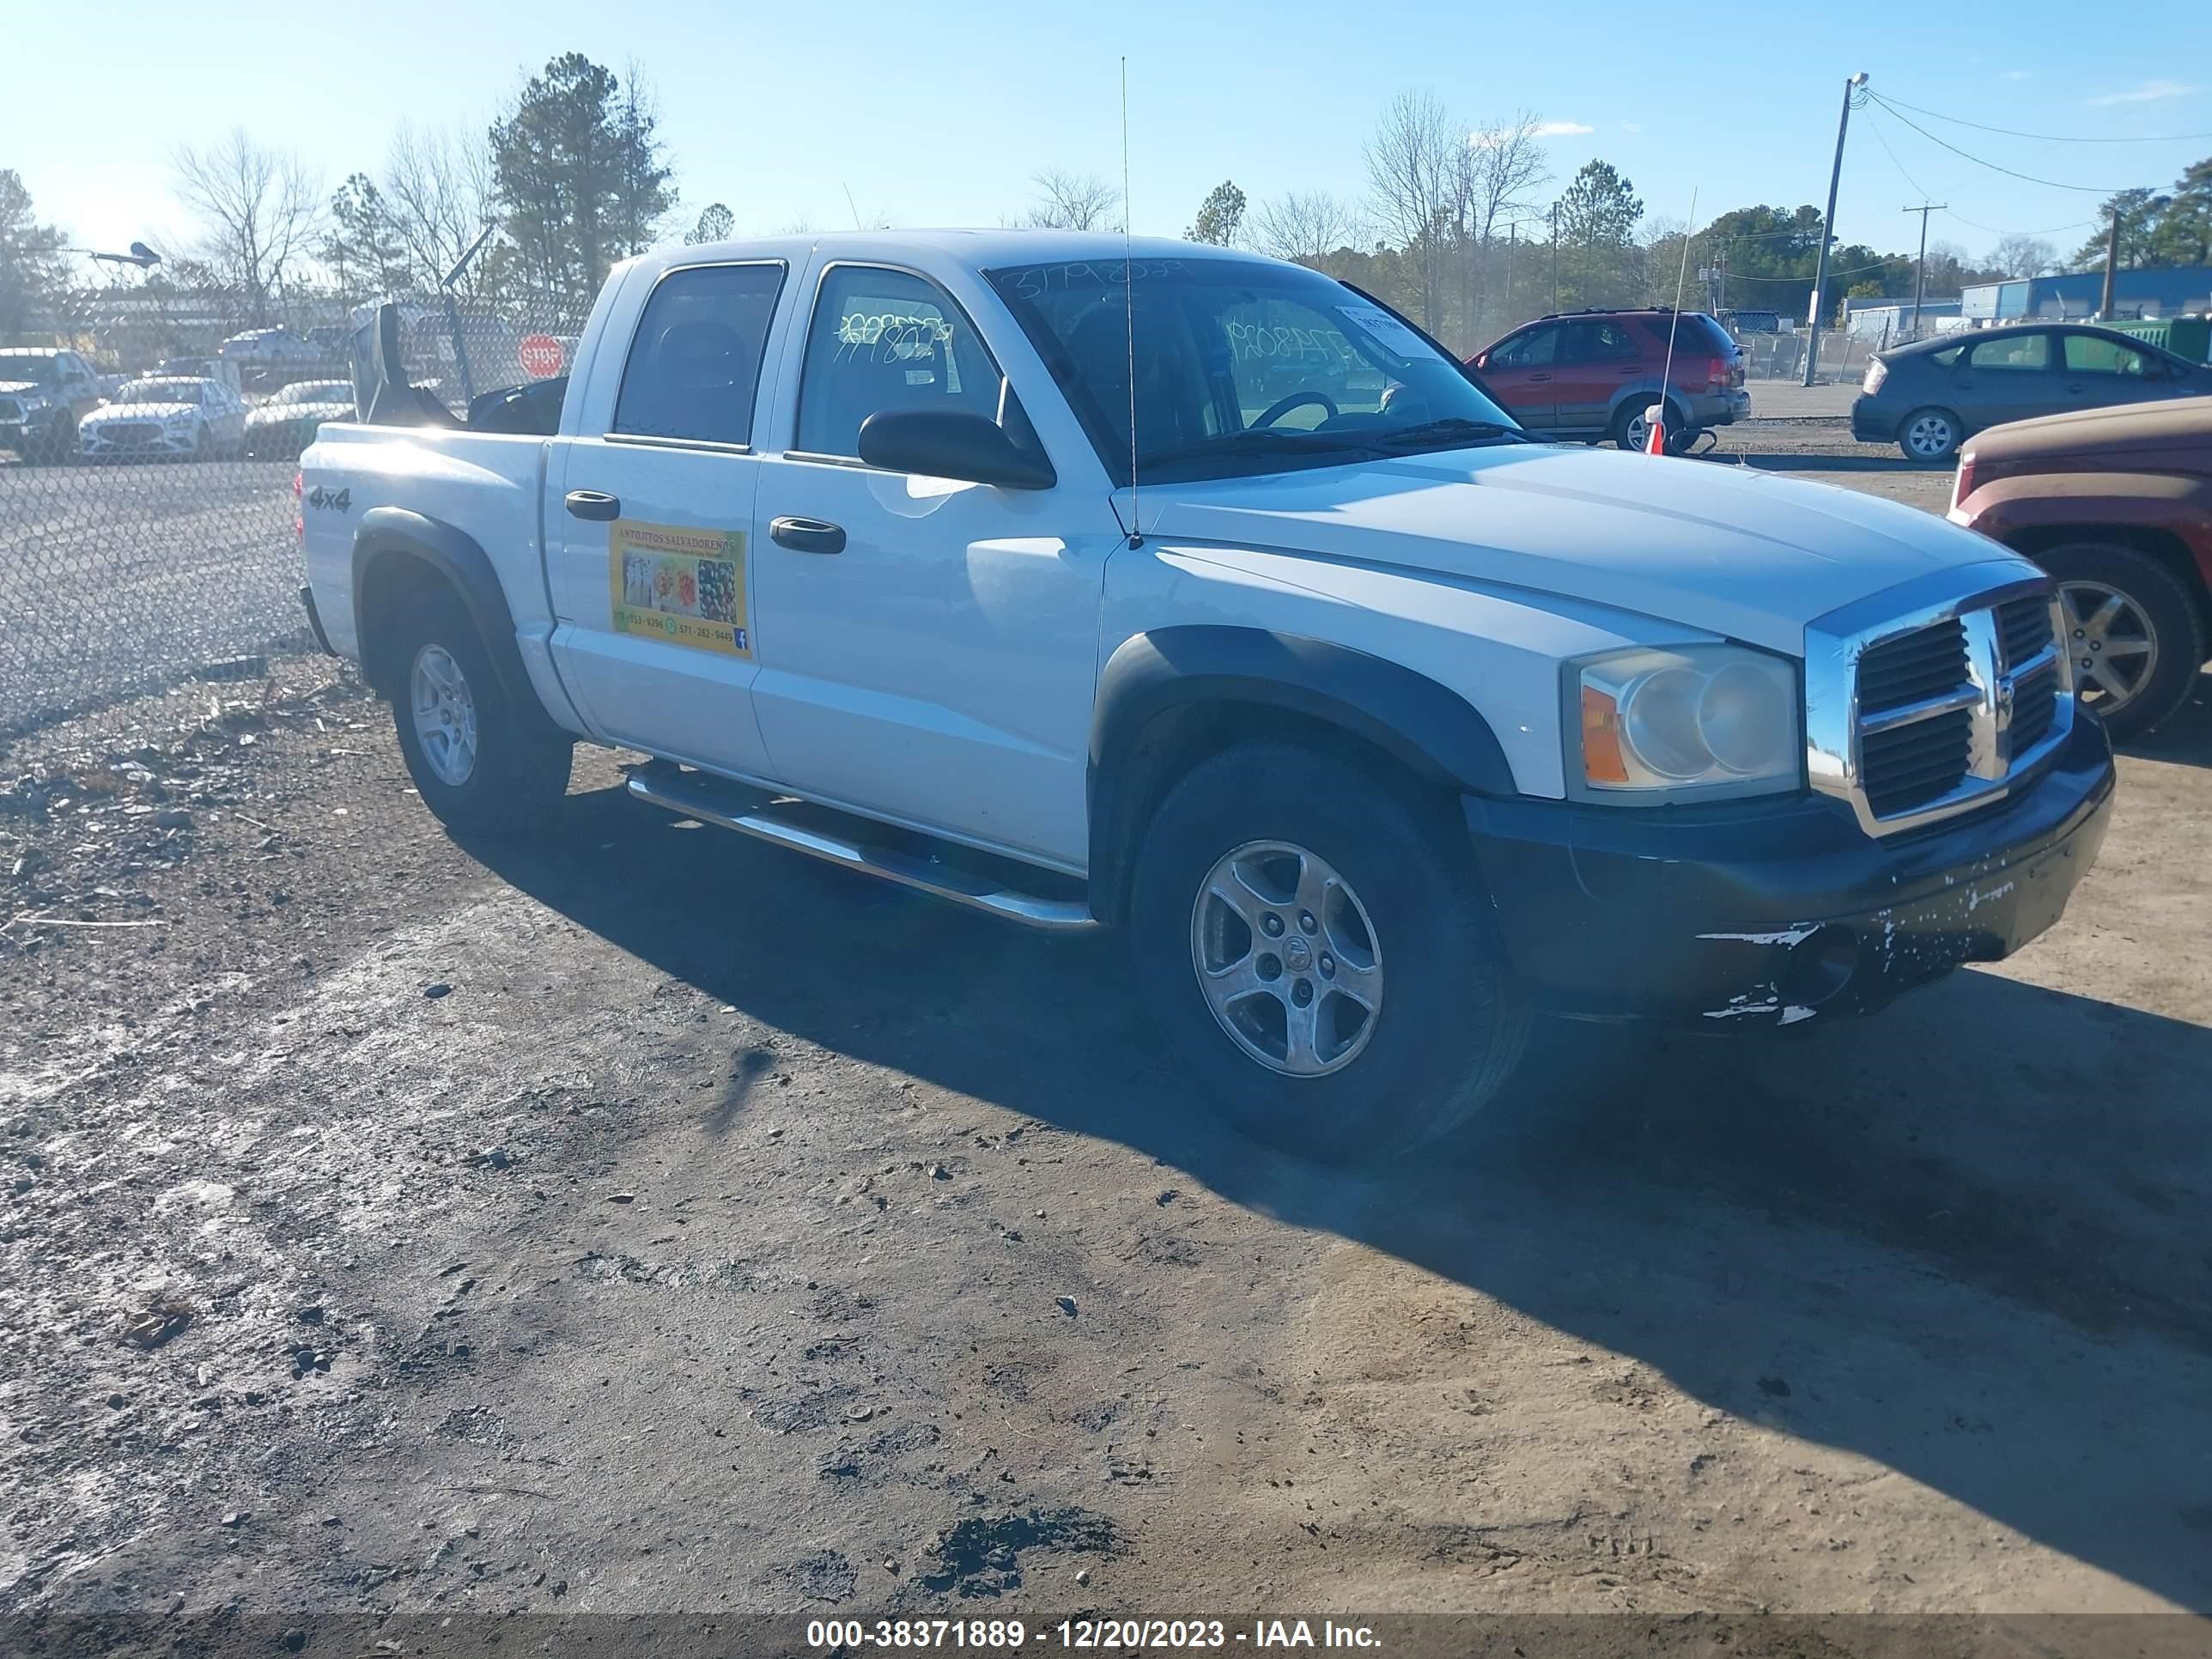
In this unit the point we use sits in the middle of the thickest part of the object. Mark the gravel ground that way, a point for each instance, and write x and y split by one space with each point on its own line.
647 1219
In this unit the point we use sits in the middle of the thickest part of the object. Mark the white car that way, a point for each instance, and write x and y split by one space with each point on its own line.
1376 724
170 419
269 347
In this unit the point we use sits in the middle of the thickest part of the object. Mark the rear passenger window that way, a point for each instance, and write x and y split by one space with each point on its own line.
2014 351
885 339
1597 343
696 362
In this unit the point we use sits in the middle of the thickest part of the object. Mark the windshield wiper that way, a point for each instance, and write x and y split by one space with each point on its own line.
1450 430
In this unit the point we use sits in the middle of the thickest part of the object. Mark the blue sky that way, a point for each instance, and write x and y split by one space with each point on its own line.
938 114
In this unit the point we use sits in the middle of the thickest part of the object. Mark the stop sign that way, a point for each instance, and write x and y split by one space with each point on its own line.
542 356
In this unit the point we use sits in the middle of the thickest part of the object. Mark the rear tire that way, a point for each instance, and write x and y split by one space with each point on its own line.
483 765
1930 435
1274 824
2144 654
1629 431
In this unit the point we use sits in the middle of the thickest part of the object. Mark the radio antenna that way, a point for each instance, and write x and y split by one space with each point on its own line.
1129 308
1674 320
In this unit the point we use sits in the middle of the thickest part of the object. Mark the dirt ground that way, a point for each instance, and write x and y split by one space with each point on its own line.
648 1219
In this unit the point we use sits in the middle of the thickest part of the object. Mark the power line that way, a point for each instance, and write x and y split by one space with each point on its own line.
1746 277
2044 137
2048 230
1918 189
2025 178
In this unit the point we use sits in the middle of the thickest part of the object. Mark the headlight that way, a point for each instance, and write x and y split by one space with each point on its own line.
1658 723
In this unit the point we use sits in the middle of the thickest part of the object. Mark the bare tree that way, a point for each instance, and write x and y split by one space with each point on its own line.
1505 161
1072 201
1412 169
1307 228
2022 255
438 199
258 211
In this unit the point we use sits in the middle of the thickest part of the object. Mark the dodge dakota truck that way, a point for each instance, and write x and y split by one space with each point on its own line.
1190 592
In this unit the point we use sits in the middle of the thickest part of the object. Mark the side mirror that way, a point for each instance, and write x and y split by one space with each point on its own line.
952 444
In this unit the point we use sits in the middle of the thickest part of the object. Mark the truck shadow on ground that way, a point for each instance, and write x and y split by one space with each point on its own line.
1964 1240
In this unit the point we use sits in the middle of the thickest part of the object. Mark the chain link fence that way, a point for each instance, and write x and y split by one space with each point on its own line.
148 444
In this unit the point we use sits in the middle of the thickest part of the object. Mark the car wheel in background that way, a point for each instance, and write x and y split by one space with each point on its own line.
2133 629
55 448
1315 938
1930 435
1630 430
481 764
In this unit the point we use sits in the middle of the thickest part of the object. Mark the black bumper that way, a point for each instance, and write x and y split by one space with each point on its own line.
1872 423
1766 915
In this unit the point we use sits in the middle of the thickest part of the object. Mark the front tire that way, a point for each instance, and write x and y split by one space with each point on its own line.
481 764
2135 631
1318 944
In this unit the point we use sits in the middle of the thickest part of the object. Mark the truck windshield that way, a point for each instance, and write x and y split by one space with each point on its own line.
1242 366
32 371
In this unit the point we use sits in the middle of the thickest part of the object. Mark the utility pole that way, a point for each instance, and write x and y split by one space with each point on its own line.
1828 231
2112 266
1920 267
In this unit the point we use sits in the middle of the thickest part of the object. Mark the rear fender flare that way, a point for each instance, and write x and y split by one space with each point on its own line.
1428 729
390 532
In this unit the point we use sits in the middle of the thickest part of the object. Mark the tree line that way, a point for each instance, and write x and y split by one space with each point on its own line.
1458 223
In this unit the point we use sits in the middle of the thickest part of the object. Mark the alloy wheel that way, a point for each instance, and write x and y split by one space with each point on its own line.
2114 647
445 715
1286 958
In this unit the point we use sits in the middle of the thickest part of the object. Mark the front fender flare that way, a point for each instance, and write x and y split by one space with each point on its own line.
1431 730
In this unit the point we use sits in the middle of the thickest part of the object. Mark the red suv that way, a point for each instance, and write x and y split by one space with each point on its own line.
1591 374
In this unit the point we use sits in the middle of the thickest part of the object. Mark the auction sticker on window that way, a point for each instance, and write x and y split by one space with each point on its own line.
684 584
1386 331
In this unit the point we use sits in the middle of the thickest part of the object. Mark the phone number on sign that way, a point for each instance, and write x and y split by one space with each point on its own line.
1004 1634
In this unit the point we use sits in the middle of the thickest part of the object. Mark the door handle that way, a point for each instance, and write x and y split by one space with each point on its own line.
595 505
2077 388
1534 379
806 535
1629 373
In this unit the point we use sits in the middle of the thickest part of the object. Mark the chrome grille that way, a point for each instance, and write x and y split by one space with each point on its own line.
1936 697
1903 767
1923 665
130 432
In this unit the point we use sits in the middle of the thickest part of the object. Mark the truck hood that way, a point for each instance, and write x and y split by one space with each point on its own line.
1726 550
2177 433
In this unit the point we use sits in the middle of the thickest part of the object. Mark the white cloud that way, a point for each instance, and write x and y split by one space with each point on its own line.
2148 93
2020 74
1562 130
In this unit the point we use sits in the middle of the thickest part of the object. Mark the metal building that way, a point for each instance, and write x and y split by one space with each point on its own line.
2169 291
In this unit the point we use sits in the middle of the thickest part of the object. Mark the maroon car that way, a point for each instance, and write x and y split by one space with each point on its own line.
1592 374
2117 504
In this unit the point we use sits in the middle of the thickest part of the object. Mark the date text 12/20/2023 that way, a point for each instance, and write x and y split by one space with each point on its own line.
1111 1635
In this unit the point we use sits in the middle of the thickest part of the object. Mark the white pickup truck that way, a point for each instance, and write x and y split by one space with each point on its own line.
1187 592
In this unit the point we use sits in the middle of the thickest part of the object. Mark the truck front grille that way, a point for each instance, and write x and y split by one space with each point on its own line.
1938 711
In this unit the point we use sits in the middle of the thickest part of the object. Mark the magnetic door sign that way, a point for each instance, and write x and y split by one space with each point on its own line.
679 583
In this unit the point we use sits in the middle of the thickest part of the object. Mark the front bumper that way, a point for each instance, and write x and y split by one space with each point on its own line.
94 444
1762 914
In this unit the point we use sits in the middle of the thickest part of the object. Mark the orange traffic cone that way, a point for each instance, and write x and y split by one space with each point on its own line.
1655 437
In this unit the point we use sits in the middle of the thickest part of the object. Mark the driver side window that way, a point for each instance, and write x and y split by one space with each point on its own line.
1535 349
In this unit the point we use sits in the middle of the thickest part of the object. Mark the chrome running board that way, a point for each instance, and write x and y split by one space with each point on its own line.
694 795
